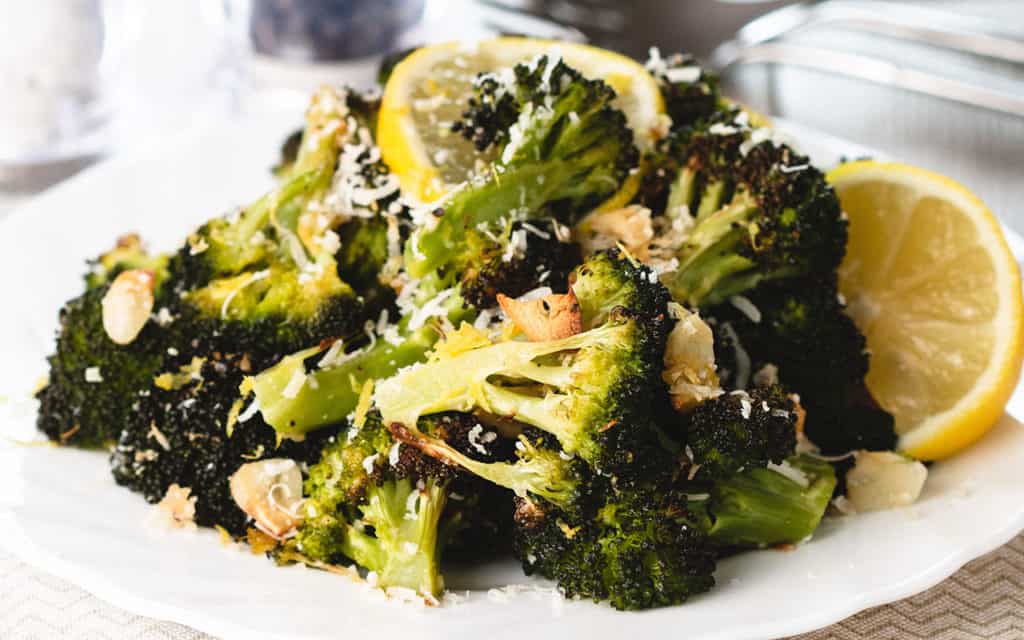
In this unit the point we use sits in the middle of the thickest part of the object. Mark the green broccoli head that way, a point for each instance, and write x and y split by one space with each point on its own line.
301 264
803 333
567 151
761 213
596 392
636 549
741 430
93 382
392 509
275 310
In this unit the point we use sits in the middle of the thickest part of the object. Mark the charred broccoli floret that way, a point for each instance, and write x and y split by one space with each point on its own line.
596 391
567 151
691 92
761 212
185 429
390 508
803 334
93 381
636 549
300 264
741 430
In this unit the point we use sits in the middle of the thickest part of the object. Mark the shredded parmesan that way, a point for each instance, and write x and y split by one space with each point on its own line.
746 307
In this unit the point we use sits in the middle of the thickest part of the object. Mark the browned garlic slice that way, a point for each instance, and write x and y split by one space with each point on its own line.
552 317
270 492
630 226
883 480
128 304
689 360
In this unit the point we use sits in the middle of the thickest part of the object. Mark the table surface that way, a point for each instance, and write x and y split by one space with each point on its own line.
985 599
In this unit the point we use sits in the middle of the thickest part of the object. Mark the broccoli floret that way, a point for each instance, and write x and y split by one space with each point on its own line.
637 549
691 92
585 159
388 507
92 380
277 277
528 256
761 507
567 151
184 429
596 391
802 331
761 213
741 430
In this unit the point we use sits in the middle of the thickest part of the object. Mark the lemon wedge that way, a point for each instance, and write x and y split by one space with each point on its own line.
930 280
428 91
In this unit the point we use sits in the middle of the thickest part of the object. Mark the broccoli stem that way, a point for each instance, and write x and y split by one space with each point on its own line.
711 269
328 395
711 199
537 471
503 193
405 519
762 507
680 194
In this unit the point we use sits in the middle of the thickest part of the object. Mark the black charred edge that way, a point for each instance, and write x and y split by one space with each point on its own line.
481 285
201 456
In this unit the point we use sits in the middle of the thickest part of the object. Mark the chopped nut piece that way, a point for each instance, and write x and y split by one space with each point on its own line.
127 304
552 317
177 508
270 492
690 361
883 480
630 226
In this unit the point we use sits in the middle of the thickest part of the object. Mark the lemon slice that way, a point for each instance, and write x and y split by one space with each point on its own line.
930 280
428 91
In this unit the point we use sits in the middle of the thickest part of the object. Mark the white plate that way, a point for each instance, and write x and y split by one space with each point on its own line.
60 510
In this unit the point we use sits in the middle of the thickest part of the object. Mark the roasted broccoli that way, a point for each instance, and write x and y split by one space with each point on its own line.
637 549
760 212
186 429
567 151
93 381
804 338
597 392
741 430
274 277
390 508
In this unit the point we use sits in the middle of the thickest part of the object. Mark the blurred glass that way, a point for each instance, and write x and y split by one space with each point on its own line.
330 29
83 78
50 58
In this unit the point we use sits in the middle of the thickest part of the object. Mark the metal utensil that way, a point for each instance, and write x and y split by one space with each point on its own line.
760 42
